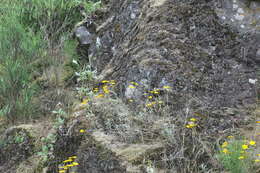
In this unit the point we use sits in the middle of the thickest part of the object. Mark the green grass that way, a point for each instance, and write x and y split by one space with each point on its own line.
29 29
17 49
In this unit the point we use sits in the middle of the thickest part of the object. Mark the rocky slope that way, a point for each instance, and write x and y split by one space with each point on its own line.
159 63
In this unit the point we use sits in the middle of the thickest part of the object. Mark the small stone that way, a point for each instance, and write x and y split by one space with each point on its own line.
239 17
252 81
83 35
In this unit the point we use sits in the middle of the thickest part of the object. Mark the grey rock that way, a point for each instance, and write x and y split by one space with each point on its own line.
83 35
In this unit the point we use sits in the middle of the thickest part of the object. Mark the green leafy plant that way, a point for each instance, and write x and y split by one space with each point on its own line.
235 156
86 74
18 139
47 147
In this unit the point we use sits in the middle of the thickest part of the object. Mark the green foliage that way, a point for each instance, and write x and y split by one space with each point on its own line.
86 74
47 147
53 17
27 29
92 6
15 90
69 50
18 47
19 138
235 159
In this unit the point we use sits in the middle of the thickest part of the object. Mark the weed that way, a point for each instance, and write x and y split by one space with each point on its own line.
235 156
47 147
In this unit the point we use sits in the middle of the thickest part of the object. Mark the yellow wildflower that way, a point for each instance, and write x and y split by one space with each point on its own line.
62 167
258 154
131 100
230 137
73 157
131 86
104 81
69 160
150 97
62 171
225 150
112 82
70 165
105 89
193 119
84 102
257 160
244 147
82 130
160 102
156 92
191 125
225 144
241 157
95 89
100 96
252 142
166 87
75 163
149 105
134 83
258 121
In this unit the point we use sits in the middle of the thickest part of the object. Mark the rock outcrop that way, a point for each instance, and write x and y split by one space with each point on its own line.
183 44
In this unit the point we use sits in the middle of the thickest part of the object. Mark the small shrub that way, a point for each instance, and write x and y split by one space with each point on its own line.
235 156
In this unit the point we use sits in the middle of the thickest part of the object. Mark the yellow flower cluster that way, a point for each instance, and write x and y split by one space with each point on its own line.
67 164
82 131
167 87
244 147
95 90
84 102
134 83
151 104
106 85
131 86
155 91
105 89
191 123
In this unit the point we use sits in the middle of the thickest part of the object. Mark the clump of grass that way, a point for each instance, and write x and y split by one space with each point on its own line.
236 155
54 17
18 49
